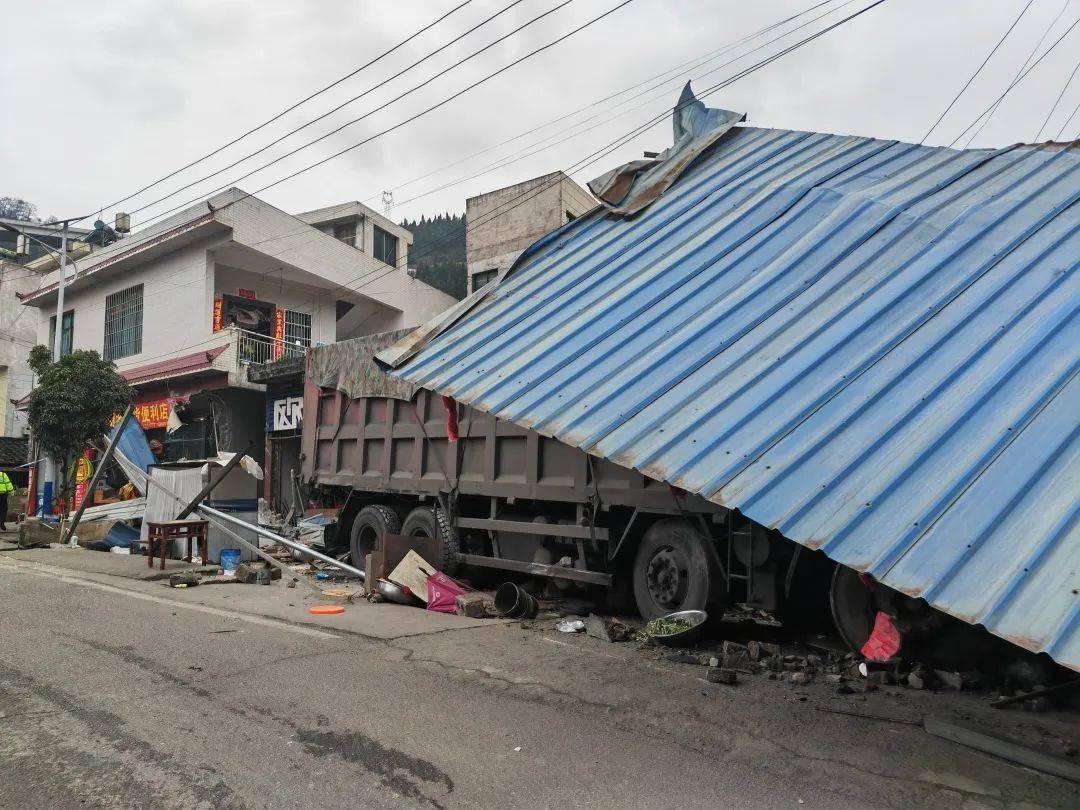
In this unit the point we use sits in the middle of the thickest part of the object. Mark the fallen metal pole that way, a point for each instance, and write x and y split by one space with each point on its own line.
97 473
285 570
205 491
269 535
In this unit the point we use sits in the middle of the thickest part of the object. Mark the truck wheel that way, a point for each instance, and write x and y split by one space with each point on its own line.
672 570
428 521
371 523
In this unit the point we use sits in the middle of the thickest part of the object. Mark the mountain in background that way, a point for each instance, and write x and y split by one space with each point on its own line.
438 252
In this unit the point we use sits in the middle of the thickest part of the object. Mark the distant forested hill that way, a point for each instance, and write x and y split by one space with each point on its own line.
438 252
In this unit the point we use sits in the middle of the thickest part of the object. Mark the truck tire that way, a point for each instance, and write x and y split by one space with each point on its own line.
429 521
371 523
672 571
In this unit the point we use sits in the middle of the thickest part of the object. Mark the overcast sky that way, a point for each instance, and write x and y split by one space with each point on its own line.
100 99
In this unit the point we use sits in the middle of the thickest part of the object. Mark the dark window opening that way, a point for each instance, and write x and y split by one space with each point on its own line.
482 278
68 334
384 247
346 232
123 323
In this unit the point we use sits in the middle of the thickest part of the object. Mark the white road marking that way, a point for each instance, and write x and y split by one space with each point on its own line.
38 570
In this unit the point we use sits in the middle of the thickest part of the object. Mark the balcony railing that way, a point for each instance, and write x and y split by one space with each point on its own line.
255 349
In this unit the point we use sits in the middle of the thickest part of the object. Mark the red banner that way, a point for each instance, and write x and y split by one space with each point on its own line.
279 331
84 470
218 314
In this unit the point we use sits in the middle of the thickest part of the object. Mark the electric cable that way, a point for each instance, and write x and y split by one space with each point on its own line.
382 83
292 107
1027 61
978 70
1057 101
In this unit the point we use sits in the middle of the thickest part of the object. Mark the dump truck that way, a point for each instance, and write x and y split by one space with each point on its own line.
497 496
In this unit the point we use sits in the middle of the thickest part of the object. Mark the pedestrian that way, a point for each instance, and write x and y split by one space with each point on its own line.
6 488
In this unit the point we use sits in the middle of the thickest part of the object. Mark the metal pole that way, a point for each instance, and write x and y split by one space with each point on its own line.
59 337
205 491
98 472
254 548
235 521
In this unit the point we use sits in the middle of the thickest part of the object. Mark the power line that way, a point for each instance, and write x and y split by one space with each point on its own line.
414 117
373 88
1057 101
695 62
978 70
525 153
292 107
608 148
1072 115
1027 61
1017 80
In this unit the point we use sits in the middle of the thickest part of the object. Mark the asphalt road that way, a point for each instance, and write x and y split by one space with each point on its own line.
111 699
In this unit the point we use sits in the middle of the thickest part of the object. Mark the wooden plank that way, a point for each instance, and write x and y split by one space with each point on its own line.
538 569
528 527
1001 747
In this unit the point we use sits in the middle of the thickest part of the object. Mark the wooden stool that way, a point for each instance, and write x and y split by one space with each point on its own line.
165 532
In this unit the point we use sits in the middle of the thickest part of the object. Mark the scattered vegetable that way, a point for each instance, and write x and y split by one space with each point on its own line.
667 627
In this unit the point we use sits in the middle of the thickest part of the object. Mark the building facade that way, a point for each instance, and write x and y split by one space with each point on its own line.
26 249
187 308
504 222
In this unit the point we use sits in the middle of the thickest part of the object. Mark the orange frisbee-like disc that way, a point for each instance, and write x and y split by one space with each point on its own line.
326 610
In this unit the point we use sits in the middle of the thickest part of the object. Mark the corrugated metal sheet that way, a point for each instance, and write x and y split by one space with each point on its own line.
871 346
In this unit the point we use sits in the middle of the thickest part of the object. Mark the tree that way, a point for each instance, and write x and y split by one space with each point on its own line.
17 208
74 403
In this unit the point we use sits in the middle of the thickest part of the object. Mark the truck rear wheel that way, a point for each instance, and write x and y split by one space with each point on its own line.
371 523
672 570
427 521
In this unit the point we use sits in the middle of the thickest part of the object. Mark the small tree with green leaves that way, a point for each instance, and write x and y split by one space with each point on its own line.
74 403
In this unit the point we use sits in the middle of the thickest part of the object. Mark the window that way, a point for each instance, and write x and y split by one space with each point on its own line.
482 278
123 323
66 336
297 328
385 247
346 232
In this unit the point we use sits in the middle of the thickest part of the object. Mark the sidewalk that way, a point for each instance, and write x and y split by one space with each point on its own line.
276 601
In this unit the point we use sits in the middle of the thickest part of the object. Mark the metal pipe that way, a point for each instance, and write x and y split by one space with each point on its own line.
97 474
269 535
211 483
285 570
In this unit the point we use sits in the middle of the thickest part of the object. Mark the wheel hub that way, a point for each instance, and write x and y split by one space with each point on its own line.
667 577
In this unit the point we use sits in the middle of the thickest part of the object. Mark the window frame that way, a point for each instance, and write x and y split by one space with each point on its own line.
128 313
352 225
68 327
490 275
378 250
296 321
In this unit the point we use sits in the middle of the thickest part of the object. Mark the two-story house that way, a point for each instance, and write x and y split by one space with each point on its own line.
188 307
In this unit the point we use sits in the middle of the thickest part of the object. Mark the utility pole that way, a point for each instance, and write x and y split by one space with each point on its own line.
58 338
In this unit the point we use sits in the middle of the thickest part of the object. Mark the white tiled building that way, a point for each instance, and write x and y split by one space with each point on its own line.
187 307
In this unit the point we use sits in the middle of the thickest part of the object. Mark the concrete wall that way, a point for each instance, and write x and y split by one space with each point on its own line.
18 332
175 317
273 289
502 223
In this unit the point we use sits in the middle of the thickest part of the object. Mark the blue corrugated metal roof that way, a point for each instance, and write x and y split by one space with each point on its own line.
868 345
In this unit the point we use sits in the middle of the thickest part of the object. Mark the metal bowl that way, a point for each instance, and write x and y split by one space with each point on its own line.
686 637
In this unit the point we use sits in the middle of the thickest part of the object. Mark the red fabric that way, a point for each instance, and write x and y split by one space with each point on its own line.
451 419
884 642
442 593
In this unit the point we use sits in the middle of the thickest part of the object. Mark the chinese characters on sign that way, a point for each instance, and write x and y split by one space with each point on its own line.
154 414
279 331
219 314
245 293
286 413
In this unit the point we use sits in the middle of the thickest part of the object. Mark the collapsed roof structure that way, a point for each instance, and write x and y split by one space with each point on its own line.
867 345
